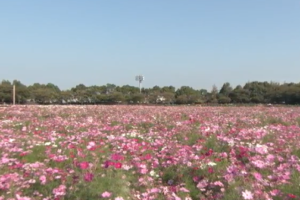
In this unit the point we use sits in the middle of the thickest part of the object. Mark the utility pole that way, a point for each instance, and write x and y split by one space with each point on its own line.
14 94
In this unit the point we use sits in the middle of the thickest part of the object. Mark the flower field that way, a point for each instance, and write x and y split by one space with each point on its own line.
144 152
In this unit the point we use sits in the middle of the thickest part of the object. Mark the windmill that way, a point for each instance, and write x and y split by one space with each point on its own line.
140 79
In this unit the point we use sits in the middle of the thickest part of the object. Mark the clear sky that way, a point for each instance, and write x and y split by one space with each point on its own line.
196 43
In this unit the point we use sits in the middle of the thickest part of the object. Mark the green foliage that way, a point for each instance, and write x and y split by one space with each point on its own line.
296 152
46 189
268 138
105 181
274 120
37 154
211 142
298 121
232 195
292 187
192 187
145 126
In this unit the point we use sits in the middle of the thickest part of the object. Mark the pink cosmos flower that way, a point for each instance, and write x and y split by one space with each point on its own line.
83 165
262 149
184 189
219 183
259 163
202 184
175 196
154 190
270 158
91 146
126 167
60 191
106 194
257 176
274 192
247 194
144 171
22 198
5 160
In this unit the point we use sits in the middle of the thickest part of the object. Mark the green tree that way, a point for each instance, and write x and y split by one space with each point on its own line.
6 89
137 98
116 97
186 94
213 95
226 89
169 97
82 94
223 99
239 95
66 96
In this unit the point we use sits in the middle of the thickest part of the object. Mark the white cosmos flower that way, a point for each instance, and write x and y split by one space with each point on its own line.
231 143
211 164
47 143
152 173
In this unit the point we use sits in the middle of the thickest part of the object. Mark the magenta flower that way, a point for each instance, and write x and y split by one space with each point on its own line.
118 165
292 196
108 163
84 165
88 177
117 157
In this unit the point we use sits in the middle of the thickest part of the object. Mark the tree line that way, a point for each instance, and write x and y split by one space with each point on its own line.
252 92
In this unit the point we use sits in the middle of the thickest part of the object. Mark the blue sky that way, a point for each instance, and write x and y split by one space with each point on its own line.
171 42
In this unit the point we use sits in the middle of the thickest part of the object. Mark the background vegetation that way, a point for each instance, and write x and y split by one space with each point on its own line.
251 93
